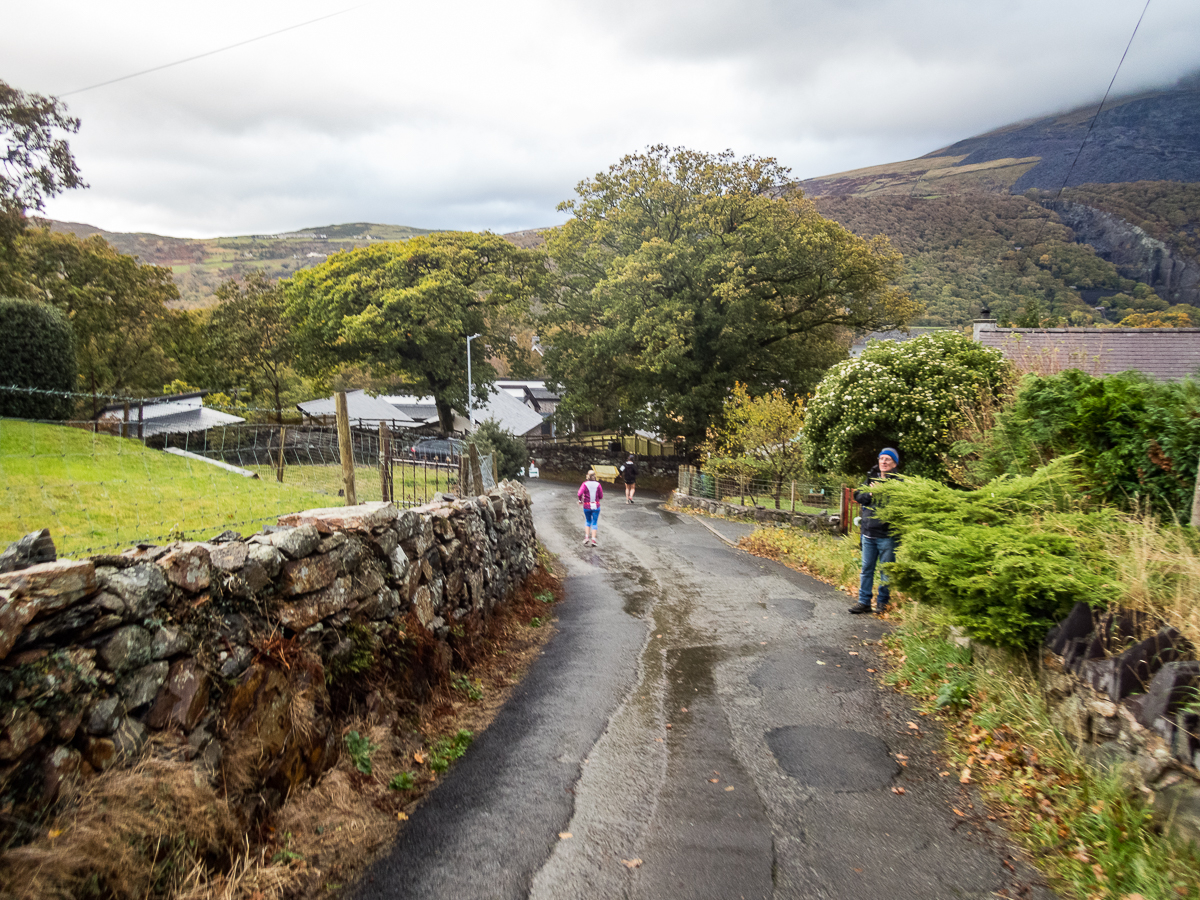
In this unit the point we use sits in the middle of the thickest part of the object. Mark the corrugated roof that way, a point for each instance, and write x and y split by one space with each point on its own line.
359 405
1167 354
187 420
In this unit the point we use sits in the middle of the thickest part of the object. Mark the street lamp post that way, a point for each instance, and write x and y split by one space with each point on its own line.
470 384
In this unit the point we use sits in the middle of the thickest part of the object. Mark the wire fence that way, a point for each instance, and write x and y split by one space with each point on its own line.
748 490
98 491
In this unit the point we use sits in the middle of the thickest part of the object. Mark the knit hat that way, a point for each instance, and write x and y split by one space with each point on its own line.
892 453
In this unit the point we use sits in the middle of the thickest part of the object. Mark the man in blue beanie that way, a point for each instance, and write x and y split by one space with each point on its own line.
878 544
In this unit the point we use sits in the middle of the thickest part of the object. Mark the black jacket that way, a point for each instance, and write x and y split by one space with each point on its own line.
870 525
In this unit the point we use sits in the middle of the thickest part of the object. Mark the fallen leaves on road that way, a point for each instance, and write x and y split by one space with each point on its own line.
730 788
958 812
898 790
631 863
965 777
820 662
914 726
565 835
419 759
715 780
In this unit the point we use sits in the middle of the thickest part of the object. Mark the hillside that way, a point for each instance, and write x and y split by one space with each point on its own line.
1154 136
201 264
961 215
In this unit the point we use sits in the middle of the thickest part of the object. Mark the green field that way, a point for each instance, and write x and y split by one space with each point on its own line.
98 493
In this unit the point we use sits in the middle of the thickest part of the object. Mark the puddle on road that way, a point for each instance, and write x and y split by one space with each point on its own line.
691 673
669 517
833 759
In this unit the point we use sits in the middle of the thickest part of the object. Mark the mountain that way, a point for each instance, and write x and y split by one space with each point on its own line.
1153 136
1023 220
200 265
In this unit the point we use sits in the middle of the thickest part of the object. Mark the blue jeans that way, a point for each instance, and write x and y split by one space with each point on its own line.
875 550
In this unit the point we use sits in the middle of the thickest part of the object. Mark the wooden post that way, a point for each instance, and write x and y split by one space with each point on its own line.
141 420
476 471
495 469
282 446
125 422
345 448
385 461
1196 501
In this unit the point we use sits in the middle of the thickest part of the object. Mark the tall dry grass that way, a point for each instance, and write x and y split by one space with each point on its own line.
154 830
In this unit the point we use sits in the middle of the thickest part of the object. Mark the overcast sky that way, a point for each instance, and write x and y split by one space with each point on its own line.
483 114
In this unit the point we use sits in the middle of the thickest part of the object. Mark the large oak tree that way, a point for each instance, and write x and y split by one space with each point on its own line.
681 273
408 307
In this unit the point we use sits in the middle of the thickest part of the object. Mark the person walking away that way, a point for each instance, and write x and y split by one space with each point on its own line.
878 542
589 496
629 475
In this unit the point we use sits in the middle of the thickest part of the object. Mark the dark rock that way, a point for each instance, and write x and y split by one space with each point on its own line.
234 662
170 641
36 547
183 699
229 557
1174 685
142 588
100 753
1078 624
52 586
188 566
331 542
312 608
225 537
1133 669
15 614
140 686
303 576
25 728
270 558
59 769
126 648
102 716
294 543
129 738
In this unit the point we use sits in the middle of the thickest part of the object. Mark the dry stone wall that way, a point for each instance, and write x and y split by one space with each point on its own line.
807 521
222 652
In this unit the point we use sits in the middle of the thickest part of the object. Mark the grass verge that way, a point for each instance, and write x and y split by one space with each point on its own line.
97 492
1084 828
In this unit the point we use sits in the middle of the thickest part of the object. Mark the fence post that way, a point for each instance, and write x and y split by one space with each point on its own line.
345 448
141 420
125 422
385 461
845 519
476 471
282 445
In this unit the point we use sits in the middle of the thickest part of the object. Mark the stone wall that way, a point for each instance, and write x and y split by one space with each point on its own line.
224 652
1124 700
808 521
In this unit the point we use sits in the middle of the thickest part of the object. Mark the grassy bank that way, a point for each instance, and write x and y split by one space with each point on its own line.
1084 828
96 492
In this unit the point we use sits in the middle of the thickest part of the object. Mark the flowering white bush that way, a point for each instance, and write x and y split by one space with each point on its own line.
908 395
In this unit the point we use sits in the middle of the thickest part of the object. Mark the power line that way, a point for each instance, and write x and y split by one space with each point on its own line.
1094 120
180 62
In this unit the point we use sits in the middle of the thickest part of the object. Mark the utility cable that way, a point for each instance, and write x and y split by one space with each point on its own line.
180 62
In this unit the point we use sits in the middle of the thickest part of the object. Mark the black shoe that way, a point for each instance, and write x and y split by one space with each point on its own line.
859 609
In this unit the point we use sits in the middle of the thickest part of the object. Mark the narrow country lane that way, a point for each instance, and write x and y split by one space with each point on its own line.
703 725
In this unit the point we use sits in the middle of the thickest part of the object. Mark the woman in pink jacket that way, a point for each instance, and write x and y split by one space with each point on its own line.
590 494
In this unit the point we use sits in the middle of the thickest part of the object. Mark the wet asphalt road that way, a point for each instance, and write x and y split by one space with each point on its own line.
703 725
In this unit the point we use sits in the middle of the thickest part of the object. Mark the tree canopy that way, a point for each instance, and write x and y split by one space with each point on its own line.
117 308
409 307
249 335
681 273
759 434
909 395
35 163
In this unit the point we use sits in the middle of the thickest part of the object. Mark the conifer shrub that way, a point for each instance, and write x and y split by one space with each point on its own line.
37 350
1008 560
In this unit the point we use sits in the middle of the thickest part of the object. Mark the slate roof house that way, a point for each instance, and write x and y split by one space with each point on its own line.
1166 354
